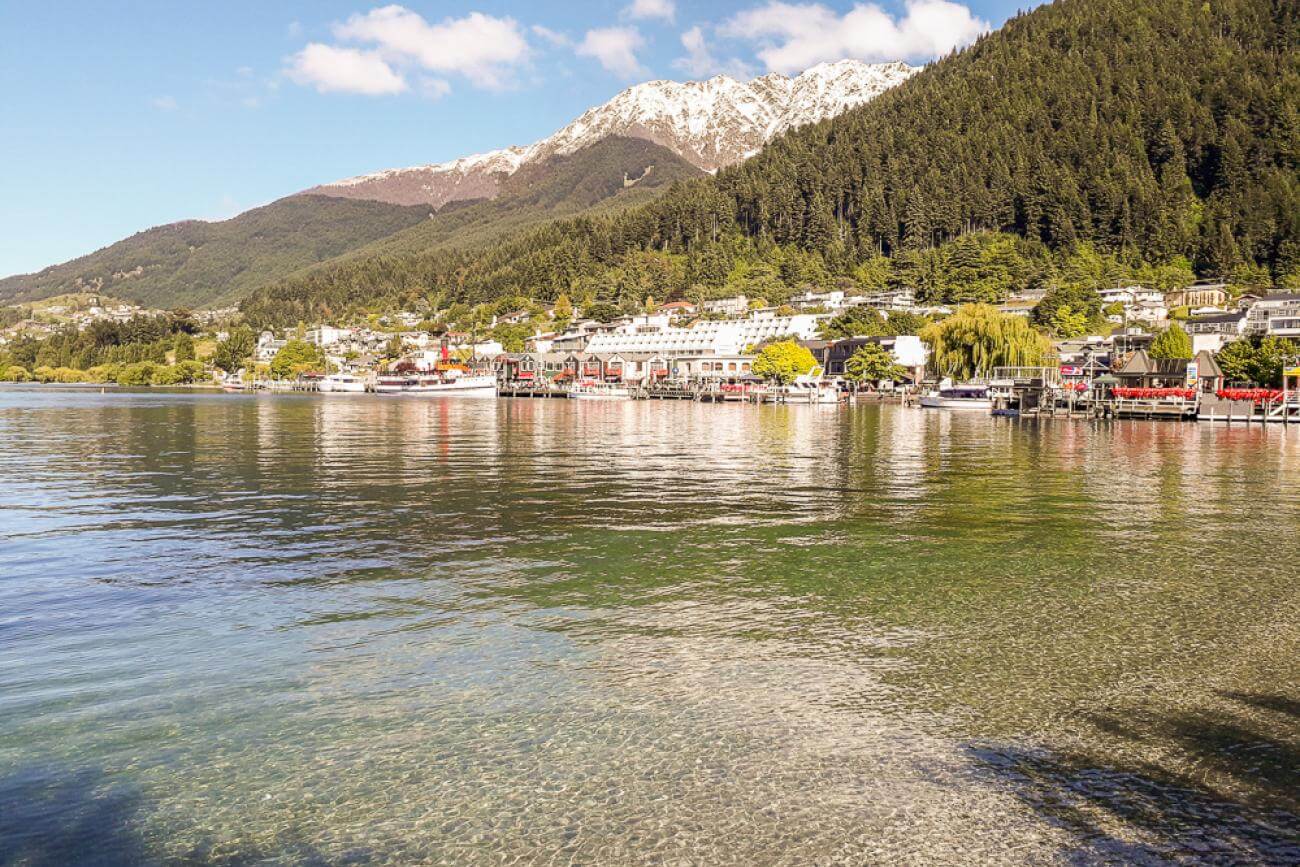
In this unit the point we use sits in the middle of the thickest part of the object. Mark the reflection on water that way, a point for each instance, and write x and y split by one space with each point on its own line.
301 629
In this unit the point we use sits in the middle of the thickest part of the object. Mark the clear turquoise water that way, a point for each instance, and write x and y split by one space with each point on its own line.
296 629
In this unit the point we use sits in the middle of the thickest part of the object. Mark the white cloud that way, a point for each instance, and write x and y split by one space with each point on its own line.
699 62
665 9
615 48
344 70
434 88
480 47
552 36
795 36
164 103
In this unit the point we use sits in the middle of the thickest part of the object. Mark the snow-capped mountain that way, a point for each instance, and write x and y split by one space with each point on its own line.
711 124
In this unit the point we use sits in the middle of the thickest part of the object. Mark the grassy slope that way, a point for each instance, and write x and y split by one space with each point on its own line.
196 263
208 264
587 182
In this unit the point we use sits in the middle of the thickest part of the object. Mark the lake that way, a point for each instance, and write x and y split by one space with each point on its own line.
351 629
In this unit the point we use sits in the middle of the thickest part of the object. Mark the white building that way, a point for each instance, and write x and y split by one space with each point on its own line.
1274 315
737 306
892 299
267 346
833 300
717 337
328 335
575 339
1018 307
712 366
1127 295
1153 313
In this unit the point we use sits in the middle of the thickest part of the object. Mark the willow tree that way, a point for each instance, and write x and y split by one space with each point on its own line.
977 338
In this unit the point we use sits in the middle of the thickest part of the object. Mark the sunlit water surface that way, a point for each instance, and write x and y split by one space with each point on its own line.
343 629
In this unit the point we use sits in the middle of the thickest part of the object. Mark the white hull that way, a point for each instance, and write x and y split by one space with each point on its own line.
813 397
465 386
352 386
600 396
824 398
933 402
599 393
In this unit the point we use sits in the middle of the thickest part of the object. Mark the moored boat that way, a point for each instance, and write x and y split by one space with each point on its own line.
451 380
342 383
811 388
600 391
959 397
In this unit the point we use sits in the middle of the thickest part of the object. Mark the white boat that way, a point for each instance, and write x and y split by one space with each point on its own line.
450 381
811 388
343 383
600 391
959 397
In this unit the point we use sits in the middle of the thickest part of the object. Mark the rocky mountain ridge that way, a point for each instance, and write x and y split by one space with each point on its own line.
712 124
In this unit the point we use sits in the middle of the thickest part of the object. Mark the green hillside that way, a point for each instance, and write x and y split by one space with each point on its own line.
1159 133
197 263
205 264
609 176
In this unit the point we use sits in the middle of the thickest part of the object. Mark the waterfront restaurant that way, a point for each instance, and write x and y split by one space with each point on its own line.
712 367
1143 371
636 368
530 366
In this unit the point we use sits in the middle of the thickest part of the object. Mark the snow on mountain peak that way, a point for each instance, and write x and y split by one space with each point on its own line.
712 123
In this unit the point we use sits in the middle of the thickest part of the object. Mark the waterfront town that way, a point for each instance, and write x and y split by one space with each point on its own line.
1202 351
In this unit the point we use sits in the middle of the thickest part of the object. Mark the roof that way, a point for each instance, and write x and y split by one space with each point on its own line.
545 356
1141 364
1207 366
1236 316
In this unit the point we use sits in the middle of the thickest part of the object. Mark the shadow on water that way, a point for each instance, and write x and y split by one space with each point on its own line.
54 817
1232 795
51 816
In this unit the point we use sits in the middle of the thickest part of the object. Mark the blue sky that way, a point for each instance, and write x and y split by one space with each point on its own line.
121 116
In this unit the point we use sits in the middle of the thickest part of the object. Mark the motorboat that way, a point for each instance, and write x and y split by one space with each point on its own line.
342 383
811 388
949 396
591 390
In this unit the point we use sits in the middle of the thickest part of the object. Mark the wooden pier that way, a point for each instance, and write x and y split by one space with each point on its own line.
1149 408
527 390
666 391
1216 409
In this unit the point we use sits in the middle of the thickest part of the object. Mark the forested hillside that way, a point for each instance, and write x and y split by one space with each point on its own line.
1164 133
197 263
611 175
